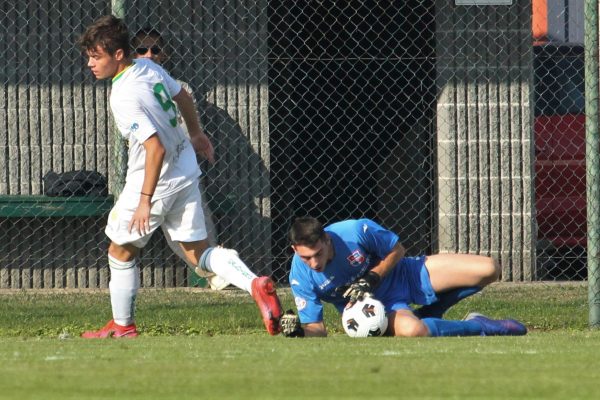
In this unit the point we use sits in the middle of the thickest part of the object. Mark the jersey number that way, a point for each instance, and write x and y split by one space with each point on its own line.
166 102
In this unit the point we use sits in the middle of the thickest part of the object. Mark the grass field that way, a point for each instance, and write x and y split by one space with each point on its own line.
202 344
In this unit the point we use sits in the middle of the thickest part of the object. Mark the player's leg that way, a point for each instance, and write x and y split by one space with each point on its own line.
215 281
405 323
451 271
455 277
123 286
421 290
124 271
186 225
227 264
220 261
411 284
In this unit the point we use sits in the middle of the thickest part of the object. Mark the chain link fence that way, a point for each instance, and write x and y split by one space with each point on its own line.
445 122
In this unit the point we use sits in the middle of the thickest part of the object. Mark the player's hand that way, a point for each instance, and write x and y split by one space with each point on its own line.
140 221
362 288
202 145
357 292
290 325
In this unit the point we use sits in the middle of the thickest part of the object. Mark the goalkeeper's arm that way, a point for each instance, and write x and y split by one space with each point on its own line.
389 261
366 284
315 329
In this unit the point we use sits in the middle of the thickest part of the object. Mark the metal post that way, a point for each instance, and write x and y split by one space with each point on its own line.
119 151
592 147
118 8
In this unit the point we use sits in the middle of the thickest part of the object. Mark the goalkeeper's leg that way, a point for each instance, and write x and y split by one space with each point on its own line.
445 301
454 271
454 277
477 325
404 323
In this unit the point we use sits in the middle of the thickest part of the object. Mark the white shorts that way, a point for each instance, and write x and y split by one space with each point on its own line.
180 215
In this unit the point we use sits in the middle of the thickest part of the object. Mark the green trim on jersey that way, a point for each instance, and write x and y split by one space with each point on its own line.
120 74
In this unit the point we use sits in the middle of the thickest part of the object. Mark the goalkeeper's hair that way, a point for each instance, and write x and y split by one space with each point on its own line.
306 231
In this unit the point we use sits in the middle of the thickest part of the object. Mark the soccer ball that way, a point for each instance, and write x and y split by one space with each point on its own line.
365 318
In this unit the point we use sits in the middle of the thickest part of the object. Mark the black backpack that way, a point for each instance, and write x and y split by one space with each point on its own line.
75 183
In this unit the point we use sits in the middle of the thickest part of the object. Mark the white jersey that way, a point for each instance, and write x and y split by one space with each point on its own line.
142 105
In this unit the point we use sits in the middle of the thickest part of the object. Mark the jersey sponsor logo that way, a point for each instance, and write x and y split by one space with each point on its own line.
294 282
178 150
300 303
326 282
134 127
356 258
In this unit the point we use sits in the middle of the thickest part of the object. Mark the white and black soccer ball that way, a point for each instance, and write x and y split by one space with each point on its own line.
365 318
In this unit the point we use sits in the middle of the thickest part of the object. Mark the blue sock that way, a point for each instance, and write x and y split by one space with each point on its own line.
446 300
441 327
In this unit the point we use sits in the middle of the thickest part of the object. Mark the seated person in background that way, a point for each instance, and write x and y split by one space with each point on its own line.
149 43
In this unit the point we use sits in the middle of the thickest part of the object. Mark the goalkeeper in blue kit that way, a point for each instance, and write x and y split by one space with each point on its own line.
346 261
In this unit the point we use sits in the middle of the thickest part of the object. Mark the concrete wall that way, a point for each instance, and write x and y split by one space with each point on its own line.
484 134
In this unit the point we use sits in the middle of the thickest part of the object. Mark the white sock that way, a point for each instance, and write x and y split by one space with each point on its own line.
227 264
124 284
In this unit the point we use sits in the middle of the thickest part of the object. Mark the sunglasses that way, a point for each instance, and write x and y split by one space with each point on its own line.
143 50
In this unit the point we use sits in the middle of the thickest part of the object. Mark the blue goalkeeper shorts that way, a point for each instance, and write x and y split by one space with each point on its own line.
408 283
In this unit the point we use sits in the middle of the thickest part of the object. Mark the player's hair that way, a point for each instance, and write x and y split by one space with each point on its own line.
306 231
147 31
108 32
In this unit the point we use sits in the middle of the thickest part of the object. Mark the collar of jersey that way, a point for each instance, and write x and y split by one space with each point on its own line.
120 74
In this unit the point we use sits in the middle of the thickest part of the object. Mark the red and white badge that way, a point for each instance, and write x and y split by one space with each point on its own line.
356 259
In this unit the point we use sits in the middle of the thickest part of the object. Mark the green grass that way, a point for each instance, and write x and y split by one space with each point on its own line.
202 344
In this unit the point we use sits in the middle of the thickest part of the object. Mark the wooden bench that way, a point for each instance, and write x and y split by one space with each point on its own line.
40 206
44 206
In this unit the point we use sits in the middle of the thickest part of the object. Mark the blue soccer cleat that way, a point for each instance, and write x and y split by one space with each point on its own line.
497 327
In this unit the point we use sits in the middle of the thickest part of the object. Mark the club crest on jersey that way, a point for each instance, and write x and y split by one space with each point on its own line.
356 258
300 303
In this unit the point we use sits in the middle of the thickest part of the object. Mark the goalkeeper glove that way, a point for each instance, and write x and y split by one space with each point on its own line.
362 288
290 325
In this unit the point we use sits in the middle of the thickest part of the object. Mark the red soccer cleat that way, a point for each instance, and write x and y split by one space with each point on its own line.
263 291
112 330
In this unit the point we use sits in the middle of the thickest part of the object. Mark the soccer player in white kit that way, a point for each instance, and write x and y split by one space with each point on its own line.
161 187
